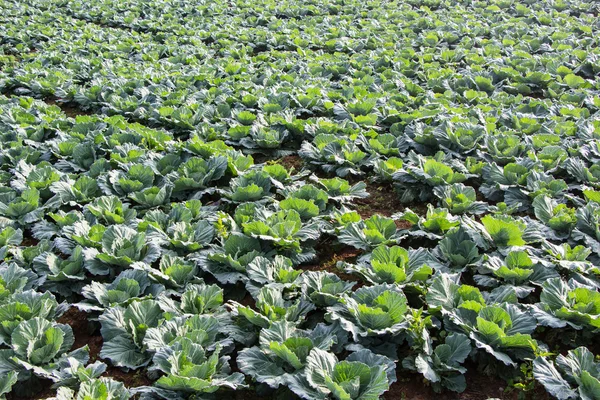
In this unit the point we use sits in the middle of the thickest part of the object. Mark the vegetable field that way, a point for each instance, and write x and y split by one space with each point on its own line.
285 199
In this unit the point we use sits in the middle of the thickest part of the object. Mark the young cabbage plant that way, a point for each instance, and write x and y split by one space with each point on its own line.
441 365
196 174
76 369
445 295
280 176
502 330
560 218
393 265
278 272
254 185
370 233
504 231
435 223
542 184
21 209
267 140
173 272
126 154
363 375
460 199
283 350
573 260
62 276
307 209
457 249
25 255
430 171
271 306
323 288
577 168
335 155
460 137
129 286
123 331
550 158
24 305
309 192
568 304
10 238
36 348
502 183
502 148
587 229
228 262
190 211
371 311
340 190
574 376
196 299
386 168
100 388
62 223
122 246
152 197
86 235
39 177
73 192
183 237
203 329
517 271
188 369
384 144
238 162
283 230
135 179
110 210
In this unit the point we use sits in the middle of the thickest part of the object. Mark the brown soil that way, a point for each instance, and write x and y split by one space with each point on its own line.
248 301
69 109
328 257
130 379
29 241
77 319
411 386
331 267
382 200
45 393
403 224
292 162
247 394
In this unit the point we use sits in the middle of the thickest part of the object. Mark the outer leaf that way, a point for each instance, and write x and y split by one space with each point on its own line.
555 384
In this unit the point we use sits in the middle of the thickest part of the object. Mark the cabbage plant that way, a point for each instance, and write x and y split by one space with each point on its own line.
393 265
362 375
568 304
323 288
283 350
370 233
188 369
371 311
574 376
271 306
122 246
123 330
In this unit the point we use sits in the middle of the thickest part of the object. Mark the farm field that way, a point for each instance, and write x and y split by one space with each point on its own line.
337 199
